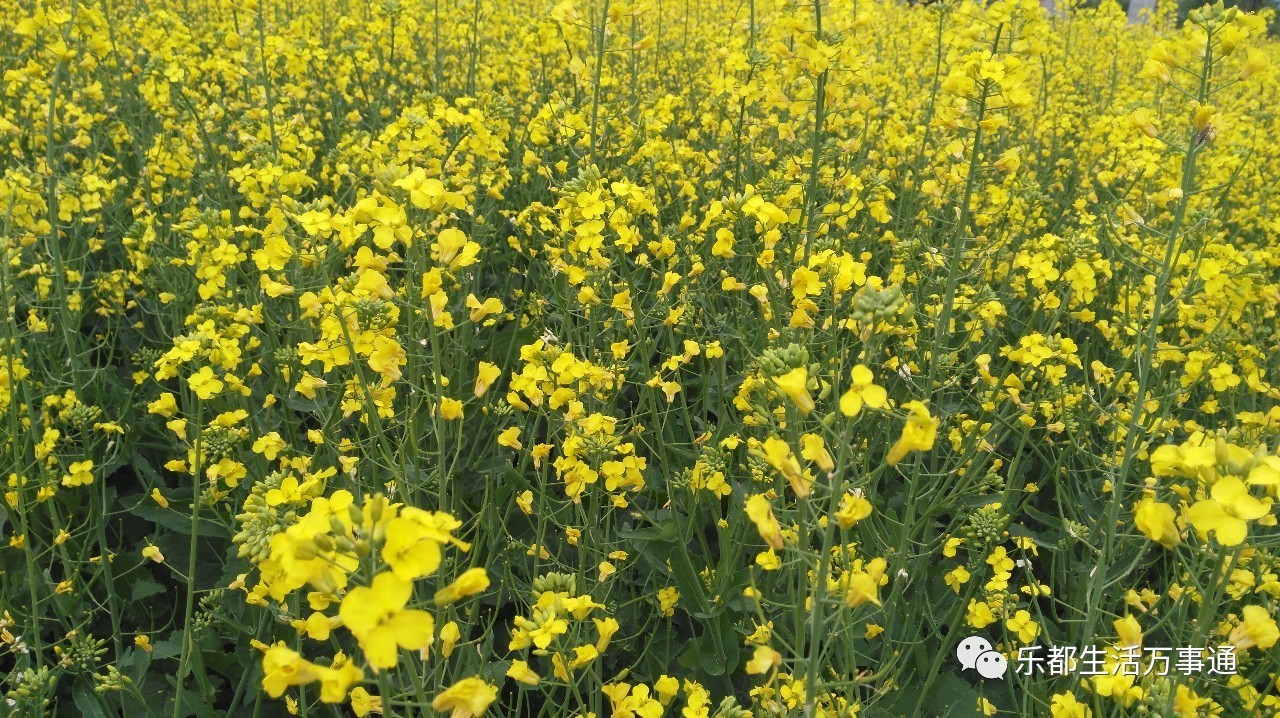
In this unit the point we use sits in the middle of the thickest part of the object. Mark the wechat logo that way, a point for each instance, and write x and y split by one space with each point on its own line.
975 652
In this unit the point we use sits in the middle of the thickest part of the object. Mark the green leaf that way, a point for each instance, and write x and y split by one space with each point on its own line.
87 702
144 588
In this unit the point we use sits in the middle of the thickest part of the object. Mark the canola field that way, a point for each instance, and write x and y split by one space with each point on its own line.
602 359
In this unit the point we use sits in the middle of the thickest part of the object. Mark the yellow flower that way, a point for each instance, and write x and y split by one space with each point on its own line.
510 438
143 641
1257 629
863 392
363 703
917 434
79 473
165 406
413 541
777 453
632 701
283 667
582 655
387 357
956 578
668 598
606 627
793 384
486 374
472 581
761 514
269 446
1065 705
812 448
1155 519
1129 631
762 660
337 680
467 698
205 384
1228 511
863 585
152 553
980 614
450 409
667 688
1023 626
449 636
853 508
520 672
376 616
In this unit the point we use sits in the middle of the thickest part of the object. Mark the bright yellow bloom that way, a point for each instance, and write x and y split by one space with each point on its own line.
1023 626
1065 705
283 667
449 635
1257 629
79 473
1155 519
486 374
1228 510
853 508
863 585
165 405
917 434
468 698
762 660
450 409
413 542
1129 631
520 672
862 392
471 582
376 616
510 438
363 703
777 453
205 384
813 448
794 385
761 514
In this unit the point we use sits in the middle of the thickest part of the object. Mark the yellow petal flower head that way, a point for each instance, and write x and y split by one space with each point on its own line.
472 581
1257 629
520 672
79 473
1228 510
863 392
363 703
376 616
1155 519
917 434
486 374
853 508
777 453
813 448
761 514
414 539
1129 631
283 667
205 384
510 438
862 585
336 681
794 385
468 698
